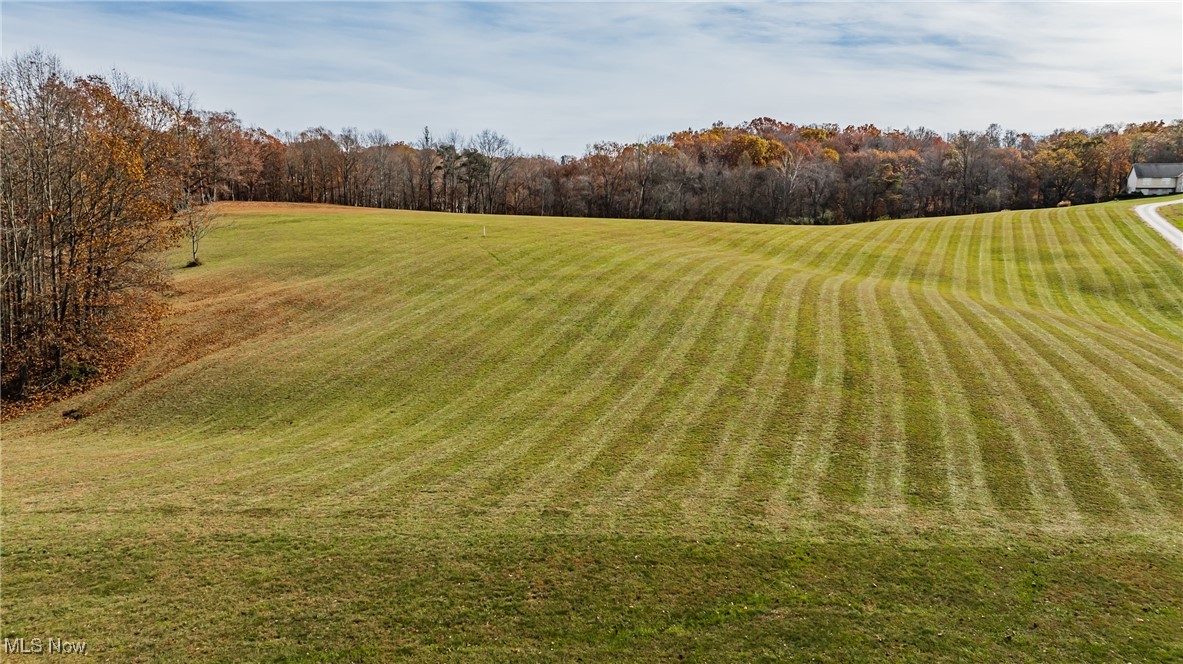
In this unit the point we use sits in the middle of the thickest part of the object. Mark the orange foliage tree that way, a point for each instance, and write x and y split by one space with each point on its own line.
90 171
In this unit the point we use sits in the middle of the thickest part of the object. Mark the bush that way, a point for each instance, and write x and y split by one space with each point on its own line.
77 373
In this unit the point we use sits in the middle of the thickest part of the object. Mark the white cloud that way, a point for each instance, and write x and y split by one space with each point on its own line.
557 76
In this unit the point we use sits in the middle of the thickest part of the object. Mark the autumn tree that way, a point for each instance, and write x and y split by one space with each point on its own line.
1059 169
89 171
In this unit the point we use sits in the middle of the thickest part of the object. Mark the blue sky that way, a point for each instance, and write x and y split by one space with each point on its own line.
556 76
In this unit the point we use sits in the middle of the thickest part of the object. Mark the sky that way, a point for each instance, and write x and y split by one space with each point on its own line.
555 77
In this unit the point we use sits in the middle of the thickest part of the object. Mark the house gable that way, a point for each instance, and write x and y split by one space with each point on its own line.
1159 178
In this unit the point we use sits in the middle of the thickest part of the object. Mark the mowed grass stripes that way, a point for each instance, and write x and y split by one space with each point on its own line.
557 393
338 360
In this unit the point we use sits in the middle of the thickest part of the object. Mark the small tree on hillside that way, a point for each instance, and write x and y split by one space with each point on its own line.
196 222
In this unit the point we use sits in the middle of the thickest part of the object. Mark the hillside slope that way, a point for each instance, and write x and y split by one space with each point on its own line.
605 438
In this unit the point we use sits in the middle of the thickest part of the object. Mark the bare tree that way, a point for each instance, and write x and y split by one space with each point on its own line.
196 222
503 157
428 164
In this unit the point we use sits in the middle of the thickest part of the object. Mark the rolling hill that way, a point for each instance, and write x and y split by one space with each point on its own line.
366 434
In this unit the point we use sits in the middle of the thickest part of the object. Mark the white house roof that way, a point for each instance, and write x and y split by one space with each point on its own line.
1158 170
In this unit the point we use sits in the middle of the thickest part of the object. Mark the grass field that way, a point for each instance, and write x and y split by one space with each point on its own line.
1173 214
369 434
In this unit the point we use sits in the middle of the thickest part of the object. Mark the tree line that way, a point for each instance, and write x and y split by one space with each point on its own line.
99 174
764 171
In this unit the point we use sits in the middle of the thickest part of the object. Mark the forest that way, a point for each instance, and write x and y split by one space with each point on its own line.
762 171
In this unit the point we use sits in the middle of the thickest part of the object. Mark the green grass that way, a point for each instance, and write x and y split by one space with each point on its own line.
1173 214
367 435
